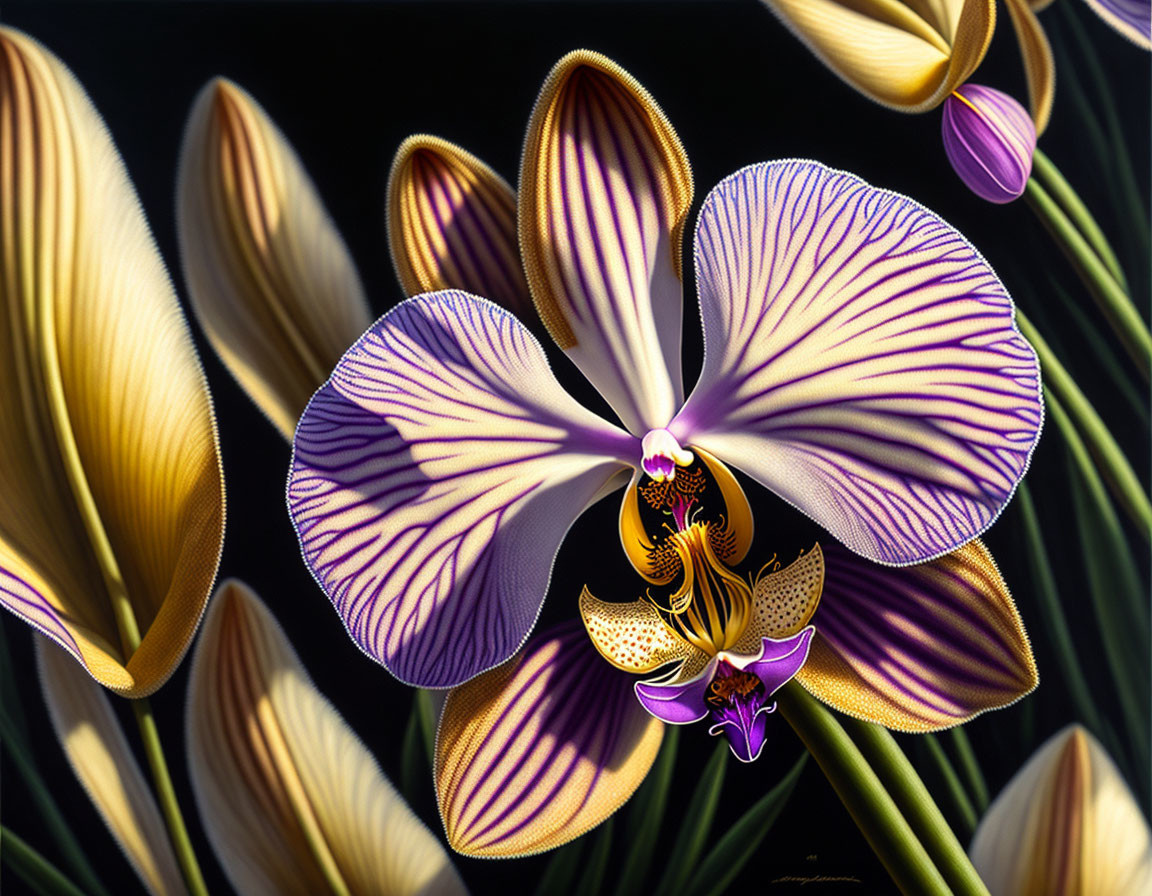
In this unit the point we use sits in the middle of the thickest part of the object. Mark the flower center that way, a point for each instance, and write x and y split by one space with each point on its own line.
662 454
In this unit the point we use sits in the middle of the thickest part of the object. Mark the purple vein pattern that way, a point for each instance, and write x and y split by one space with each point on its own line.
433 479
861 361
29 604
534 753
1132 18
918 648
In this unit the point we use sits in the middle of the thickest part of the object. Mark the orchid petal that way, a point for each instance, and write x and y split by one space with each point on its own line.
433 479
917 648
861 361
783 602
633 636
779 659
1132 18
88 730
902 55
111 493
291 799
1039 66
678 699
746 736
604 194
452 225
540 750
269 277
990 140
1066 824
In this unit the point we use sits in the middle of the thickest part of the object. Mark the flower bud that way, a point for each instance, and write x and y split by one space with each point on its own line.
989 139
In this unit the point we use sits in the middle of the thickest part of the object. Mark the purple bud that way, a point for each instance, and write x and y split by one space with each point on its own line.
989 139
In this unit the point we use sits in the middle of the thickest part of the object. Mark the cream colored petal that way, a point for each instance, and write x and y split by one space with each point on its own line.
98 752
452 225
783 601
633 637
270 278
908 56
292 800
1066 825
111 491
1039 66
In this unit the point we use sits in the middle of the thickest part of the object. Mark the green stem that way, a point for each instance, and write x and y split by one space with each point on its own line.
1121 478
166 796
1054 182
914 800
860 790
33 868
1112 301
1056 629
970 768
960 801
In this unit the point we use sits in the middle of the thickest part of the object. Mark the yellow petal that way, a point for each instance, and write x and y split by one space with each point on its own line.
536 752
784 601
452 225
633 637
1039 66
908 56
1066 825
111 493
88 730
292 801
270 278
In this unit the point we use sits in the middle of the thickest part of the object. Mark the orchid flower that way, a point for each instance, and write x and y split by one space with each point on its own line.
861 361
111 489
292 801
1065 824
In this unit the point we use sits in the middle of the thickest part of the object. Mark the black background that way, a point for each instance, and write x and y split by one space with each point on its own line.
346 82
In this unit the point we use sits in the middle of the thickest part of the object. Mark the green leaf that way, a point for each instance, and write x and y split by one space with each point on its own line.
961 804
593 877
728 857
558 876
414 771
646 816
697 823
425 708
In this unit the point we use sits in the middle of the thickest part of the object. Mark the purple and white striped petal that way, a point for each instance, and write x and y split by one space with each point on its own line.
989 138
433 479
917 648
861 361
604 193
540 750
1132 18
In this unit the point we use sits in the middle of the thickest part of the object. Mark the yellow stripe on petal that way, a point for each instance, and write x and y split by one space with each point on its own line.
292 800
604 194
1039 66
452 225
88 730
908 56
1066 825
917 648
535 752
269 277
111 493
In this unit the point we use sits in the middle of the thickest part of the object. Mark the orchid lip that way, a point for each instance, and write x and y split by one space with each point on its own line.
662 455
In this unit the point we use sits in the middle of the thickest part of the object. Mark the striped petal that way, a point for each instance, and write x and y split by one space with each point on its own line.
88 730
989 139
452 225
861 360
917 648
433 480
1039 65
908 56
1132 18
604 193
269 277
540 750
292 801
111 493
1066 825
